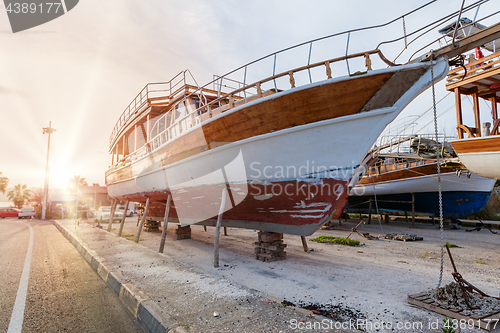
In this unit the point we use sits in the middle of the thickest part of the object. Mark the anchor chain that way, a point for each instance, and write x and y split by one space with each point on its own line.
440 196
404 32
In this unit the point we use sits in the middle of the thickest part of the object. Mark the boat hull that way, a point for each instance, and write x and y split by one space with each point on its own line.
456 204
480 155
273 184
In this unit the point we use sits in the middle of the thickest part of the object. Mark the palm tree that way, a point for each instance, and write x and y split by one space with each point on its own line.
36 197
4 182
19 195
77 182
36 200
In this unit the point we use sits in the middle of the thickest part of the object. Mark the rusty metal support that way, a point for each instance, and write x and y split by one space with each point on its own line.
142 221
480 225
165 223
123 218
364 234
355 229
413 210
304 243
465 286
217 228
369 212
114 203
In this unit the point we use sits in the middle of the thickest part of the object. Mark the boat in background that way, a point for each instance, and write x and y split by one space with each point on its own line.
280 150
410 184
479 78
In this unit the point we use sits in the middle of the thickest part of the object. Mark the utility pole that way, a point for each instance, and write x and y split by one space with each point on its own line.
46 130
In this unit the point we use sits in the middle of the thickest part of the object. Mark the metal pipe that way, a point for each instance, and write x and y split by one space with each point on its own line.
123 218
346 50
165 223
142 221
474 20
217 228
457 24
304 243
244 83
309 62
274 72
112 213
369 211
413 210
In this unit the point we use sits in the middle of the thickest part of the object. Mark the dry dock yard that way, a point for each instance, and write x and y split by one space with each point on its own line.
364 288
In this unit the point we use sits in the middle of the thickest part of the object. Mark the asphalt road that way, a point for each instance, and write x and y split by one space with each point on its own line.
61 294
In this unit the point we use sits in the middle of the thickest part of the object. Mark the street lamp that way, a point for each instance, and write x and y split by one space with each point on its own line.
46 130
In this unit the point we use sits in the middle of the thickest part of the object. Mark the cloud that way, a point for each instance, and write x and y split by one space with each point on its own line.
9 91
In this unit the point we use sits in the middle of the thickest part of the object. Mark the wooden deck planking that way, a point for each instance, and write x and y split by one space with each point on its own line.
486 144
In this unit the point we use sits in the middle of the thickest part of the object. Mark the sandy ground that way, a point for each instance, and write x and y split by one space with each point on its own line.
373 280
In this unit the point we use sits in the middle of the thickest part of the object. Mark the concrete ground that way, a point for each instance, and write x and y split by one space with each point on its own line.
369 283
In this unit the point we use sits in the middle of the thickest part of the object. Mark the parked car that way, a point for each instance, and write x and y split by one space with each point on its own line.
103 213
130 212
26 213
9 212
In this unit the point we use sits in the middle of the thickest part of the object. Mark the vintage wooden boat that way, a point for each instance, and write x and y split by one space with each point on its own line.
285 153
403 184
286 157
480 152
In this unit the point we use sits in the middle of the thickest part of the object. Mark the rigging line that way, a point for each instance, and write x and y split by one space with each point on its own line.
440 115
420 116
440 195
376 205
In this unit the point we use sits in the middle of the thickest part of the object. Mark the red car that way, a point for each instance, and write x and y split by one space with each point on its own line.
9 212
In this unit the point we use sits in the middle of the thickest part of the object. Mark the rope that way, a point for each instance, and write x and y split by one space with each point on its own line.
441 224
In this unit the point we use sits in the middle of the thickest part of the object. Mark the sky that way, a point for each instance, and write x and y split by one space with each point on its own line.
82 69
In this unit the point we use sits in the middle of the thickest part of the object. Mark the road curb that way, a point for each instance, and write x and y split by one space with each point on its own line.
147 312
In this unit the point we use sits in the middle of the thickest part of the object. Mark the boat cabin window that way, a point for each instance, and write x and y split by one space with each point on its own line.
194 104
168 119
180 110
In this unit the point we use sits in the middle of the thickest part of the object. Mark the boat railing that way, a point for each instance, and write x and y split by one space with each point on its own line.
229 84
138 153
446 39
474 68
160 137
242 74
245 91
156 94
414 145
307 71
403 152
